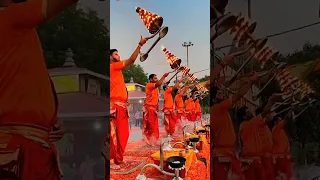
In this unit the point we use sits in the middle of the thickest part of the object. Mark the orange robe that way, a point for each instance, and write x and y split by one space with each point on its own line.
198 109
190 109
27 101
150 114
252 148
169 115
223 150
281 151
267 158
179 107
119 126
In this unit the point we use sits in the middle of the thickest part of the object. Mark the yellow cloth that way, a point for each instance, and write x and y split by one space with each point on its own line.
190 157
202 138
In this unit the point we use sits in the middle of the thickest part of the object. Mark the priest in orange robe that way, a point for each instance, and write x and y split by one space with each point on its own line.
150 110
253 143
198 109
170 118
28 103
267 142
119 124
281 149
190 109
179 107
223 150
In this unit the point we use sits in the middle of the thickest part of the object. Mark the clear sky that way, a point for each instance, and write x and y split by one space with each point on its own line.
274 16
188 20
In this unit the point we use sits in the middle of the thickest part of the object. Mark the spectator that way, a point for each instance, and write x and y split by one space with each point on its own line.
137 118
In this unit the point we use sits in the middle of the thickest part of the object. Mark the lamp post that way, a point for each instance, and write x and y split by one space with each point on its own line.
187 45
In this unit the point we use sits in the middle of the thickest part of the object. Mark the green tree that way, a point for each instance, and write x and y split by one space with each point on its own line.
136 72
83 32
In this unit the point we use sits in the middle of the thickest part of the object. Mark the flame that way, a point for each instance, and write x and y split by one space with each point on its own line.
185 70
171 58
147 17
192 78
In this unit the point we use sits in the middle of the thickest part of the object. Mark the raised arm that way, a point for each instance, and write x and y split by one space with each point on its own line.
244 87
135 53
227 60
161 80
176 85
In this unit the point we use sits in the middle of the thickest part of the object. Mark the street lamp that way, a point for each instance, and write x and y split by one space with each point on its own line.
187 45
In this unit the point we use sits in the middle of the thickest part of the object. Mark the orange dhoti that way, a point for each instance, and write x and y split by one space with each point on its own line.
253 170
284 167
150 125
225 166
191 116
268 165
28 157
180 115
119 133
170 121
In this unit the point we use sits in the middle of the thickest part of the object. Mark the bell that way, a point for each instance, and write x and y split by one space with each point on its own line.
173 60
153 22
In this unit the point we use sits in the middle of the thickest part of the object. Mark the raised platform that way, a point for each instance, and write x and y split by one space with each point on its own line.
138 153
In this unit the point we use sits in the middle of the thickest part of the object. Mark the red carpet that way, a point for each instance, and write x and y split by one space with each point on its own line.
139 152
131 165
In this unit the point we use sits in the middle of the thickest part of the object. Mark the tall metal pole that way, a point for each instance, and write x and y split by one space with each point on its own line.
187 45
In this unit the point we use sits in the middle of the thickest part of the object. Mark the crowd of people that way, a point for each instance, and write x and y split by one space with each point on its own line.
264 146
182 106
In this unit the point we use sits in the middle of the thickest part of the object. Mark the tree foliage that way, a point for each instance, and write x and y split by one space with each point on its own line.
83 32
136 72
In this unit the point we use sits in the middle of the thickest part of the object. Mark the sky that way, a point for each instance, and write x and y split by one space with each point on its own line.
274 16
188 20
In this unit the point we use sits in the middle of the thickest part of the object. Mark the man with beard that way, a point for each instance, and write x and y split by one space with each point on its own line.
28 102
119 125
281 148
253 144
170 117
150 110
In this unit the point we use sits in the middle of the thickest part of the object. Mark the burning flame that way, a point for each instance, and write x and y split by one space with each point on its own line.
185 70
147 17
192 78
171 58
162 47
